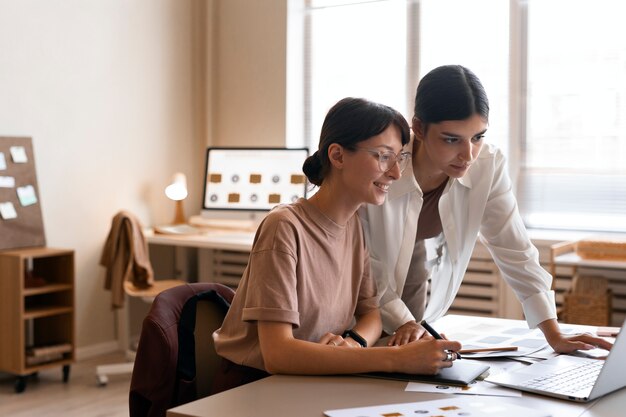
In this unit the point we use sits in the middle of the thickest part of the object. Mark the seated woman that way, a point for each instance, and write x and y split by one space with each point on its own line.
306 303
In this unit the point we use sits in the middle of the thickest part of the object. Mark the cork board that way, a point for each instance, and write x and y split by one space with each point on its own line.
21 222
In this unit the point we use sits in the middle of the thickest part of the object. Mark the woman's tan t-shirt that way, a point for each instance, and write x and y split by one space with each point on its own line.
304 269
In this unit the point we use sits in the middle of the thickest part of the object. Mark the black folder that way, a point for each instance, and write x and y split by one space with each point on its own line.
462 373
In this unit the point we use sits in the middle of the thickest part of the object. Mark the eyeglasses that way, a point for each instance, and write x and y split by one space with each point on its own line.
387 160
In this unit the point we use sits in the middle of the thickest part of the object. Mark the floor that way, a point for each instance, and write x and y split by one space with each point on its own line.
47 396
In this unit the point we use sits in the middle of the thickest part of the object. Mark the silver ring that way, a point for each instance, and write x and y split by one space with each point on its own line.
448 357
334 343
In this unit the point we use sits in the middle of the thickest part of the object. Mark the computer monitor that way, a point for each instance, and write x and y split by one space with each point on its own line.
245 183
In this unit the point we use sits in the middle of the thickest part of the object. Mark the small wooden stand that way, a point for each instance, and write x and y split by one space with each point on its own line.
36 320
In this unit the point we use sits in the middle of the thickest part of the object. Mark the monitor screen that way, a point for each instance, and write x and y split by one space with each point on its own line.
253 179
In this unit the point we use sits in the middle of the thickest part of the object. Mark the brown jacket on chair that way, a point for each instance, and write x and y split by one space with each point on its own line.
125 257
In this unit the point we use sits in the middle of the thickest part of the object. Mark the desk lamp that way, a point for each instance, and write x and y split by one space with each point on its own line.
177 191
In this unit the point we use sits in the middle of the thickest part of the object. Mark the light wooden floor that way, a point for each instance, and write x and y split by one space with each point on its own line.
48 396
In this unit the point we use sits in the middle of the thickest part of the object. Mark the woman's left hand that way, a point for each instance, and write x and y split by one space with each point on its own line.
568 344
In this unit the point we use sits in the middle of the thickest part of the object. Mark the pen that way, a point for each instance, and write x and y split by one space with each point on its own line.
491 349
434 334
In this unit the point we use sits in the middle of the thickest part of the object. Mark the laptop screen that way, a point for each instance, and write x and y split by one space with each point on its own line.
253 179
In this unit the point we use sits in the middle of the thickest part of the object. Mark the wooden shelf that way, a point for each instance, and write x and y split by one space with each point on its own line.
47 289
36 316
572 259
34 313
565 264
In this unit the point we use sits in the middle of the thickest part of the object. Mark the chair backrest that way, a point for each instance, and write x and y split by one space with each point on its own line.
172 363
209 317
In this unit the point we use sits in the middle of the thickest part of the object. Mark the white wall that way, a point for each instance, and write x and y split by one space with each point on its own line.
248 96
109 91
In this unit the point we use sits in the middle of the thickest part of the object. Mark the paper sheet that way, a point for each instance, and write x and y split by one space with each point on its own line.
484 333
475 388
454 406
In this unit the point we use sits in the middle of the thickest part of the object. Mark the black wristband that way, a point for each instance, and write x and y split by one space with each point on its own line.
355 336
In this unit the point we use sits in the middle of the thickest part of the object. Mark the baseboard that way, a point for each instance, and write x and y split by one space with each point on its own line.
91 351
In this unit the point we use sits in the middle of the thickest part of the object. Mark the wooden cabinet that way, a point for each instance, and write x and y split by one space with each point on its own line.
565 264
36 312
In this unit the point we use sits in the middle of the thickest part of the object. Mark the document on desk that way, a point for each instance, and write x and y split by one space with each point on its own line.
454 406
482 333
474 388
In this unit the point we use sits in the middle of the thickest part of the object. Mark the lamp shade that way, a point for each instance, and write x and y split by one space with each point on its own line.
177 190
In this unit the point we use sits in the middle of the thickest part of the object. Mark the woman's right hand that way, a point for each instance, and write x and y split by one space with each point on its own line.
408 332
427 356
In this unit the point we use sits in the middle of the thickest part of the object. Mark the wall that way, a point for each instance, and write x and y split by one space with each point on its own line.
248 70
112 93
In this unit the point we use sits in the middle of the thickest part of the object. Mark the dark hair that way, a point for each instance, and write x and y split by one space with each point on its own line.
350 121
450 92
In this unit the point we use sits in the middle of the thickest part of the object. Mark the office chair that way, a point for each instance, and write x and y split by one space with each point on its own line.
176 359
123 319
128 274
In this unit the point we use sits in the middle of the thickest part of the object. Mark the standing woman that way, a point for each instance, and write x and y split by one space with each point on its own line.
306 303
457 188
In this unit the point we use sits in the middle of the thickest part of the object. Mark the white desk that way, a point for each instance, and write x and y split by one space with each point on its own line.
239 241
192 259
310 396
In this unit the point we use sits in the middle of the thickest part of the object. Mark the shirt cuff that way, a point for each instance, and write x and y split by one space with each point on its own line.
539 308
394 314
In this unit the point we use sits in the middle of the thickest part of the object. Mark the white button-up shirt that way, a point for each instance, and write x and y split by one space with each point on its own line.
482 202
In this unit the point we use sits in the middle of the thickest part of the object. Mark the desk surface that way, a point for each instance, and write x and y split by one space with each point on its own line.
310 396
226 240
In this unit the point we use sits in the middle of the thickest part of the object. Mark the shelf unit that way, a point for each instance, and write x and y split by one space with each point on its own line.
565 264
40 317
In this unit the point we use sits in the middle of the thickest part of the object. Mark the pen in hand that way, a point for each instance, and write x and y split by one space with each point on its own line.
434 334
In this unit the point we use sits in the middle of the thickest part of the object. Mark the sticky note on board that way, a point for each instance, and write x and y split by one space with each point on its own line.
26 195
3 162
7 182
18 154
7 211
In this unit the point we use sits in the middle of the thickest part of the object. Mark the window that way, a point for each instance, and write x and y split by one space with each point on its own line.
355 49
574 156
557 91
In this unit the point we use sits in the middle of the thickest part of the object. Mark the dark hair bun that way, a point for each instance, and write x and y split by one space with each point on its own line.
312 168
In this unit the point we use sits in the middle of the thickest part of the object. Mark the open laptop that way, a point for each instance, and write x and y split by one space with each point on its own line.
571 377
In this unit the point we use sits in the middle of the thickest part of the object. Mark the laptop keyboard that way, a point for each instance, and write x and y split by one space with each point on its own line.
568 380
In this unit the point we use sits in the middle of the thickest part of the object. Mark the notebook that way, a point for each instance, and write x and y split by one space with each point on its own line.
571 378
462 372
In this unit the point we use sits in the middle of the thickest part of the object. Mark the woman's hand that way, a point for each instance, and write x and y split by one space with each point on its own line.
408 332
428 356
568 344
336 340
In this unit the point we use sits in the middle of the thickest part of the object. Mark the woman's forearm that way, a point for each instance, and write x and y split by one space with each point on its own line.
369 326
